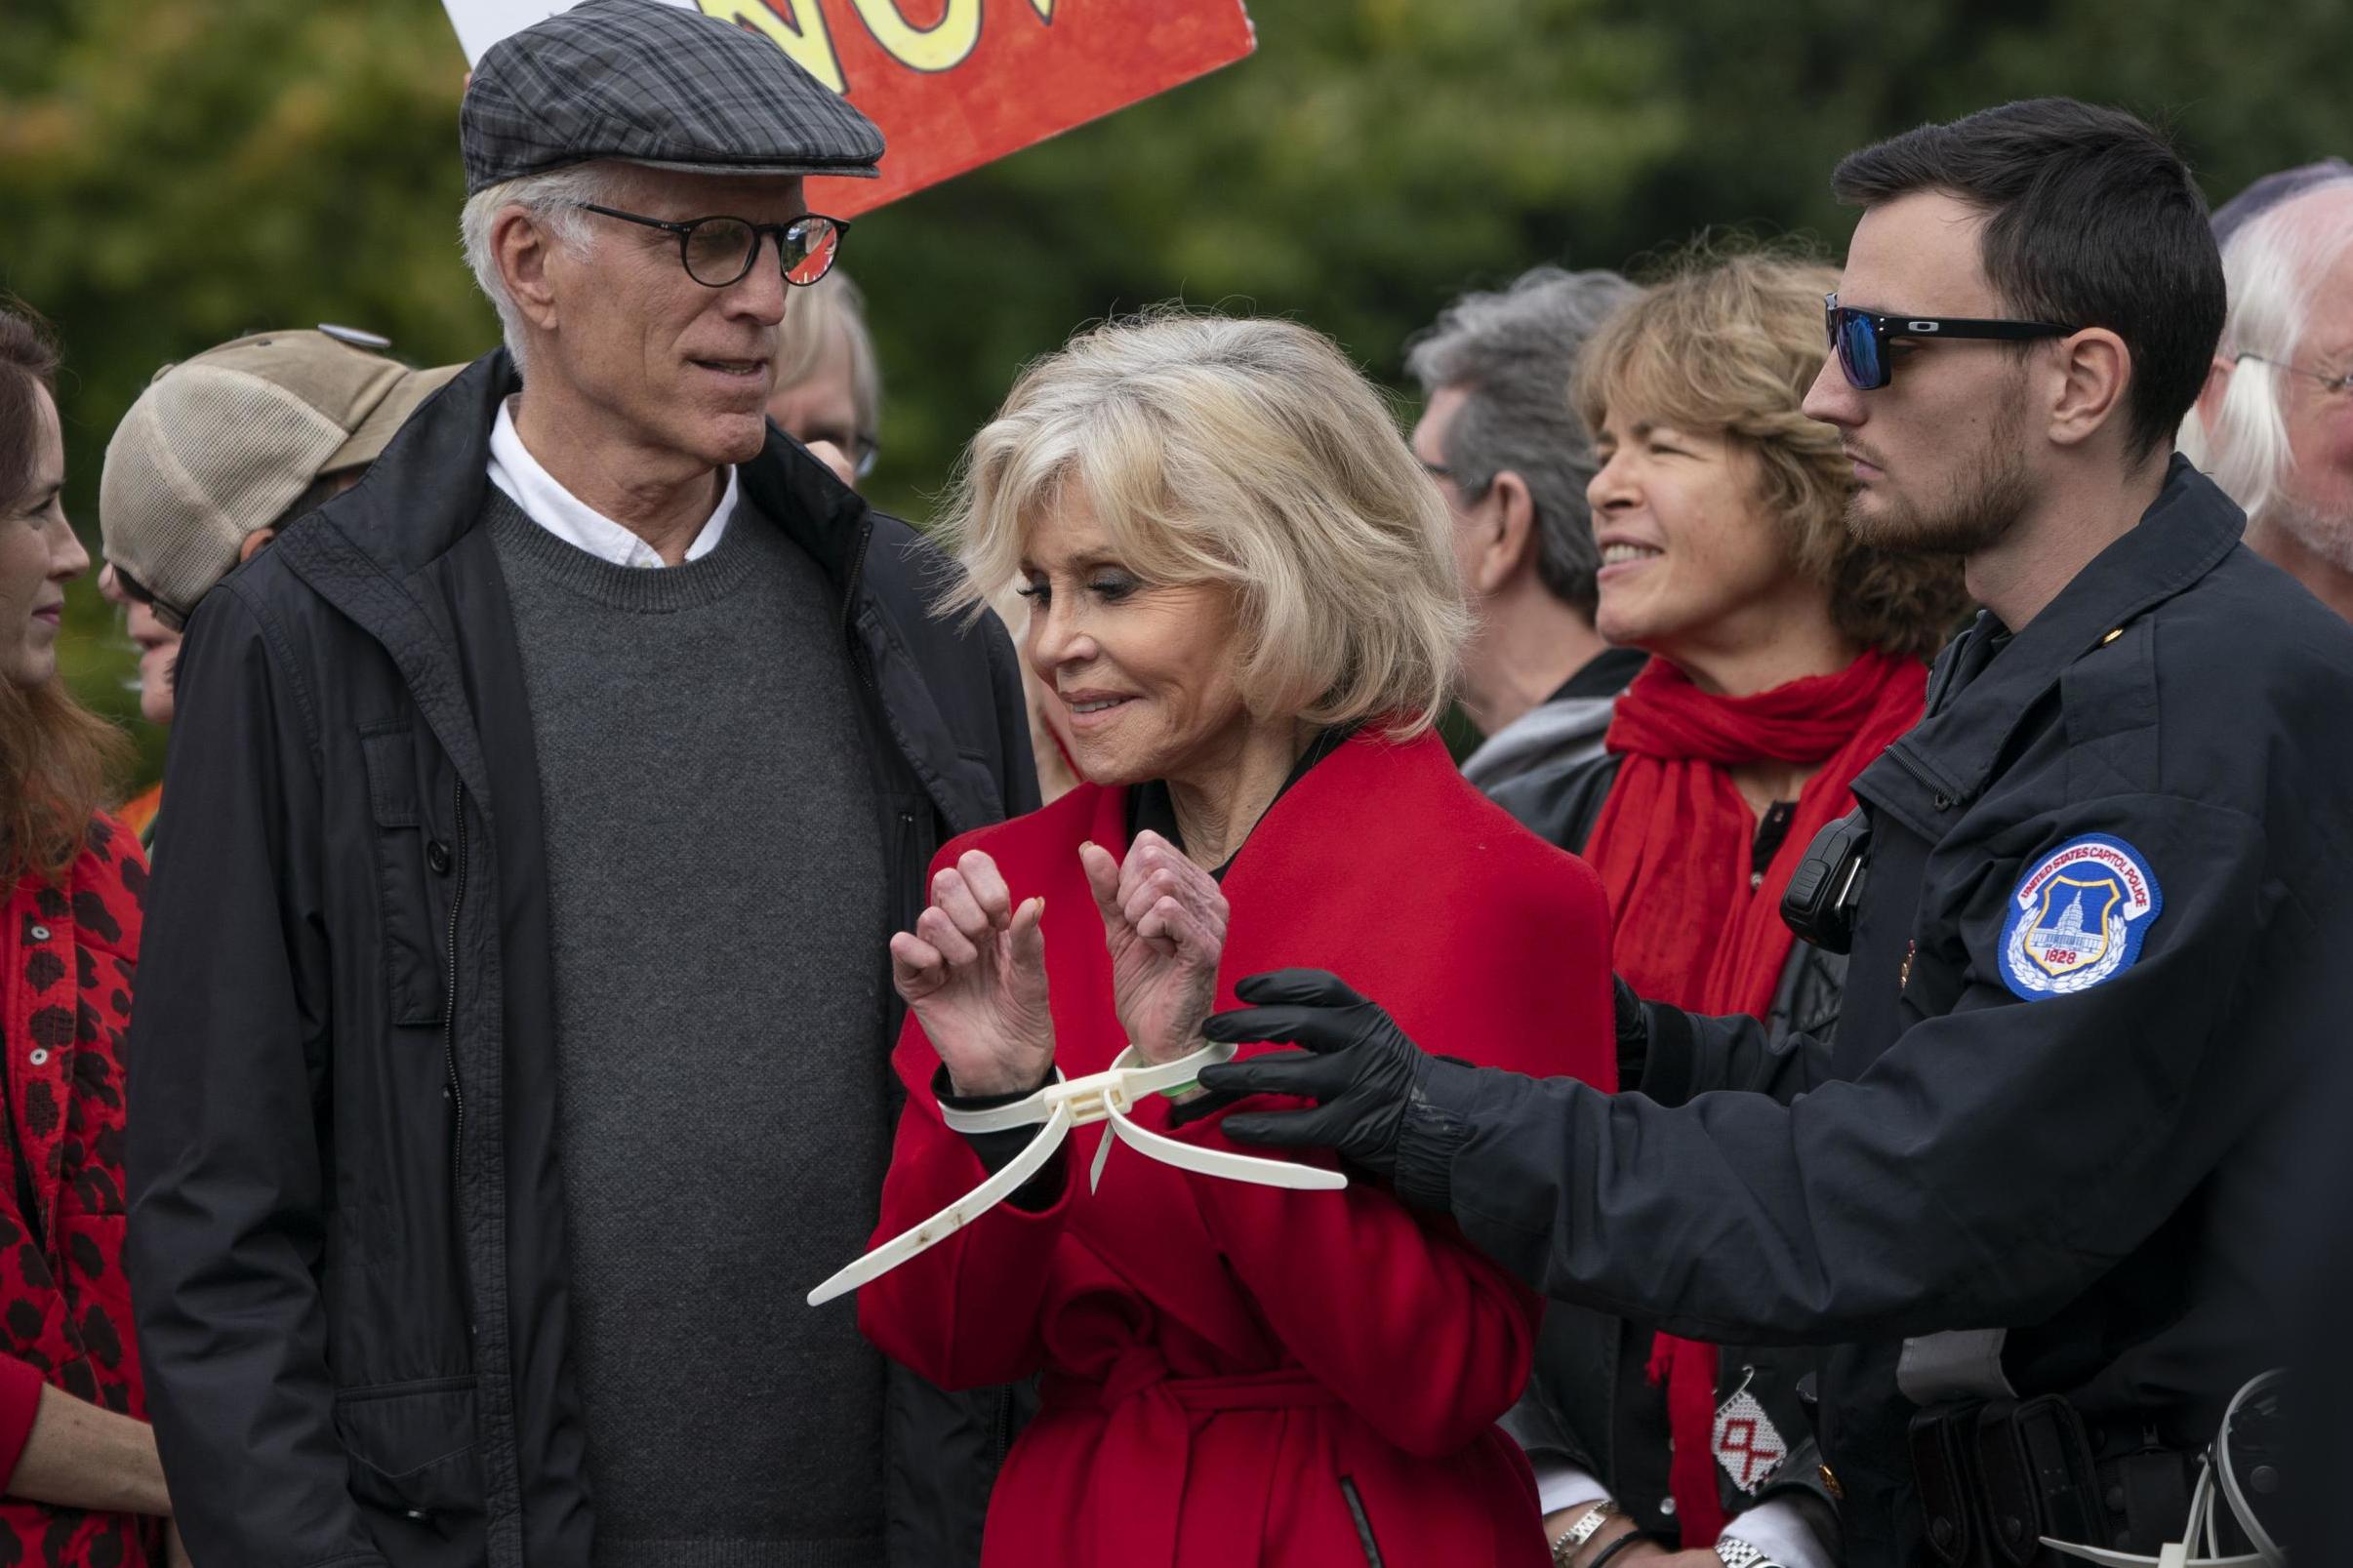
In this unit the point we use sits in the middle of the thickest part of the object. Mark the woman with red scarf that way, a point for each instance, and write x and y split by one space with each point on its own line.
1786 656
82 1486
1242 591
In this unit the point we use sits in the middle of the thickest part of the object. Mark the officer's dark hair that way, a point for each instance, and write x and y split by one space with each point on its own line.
2094 221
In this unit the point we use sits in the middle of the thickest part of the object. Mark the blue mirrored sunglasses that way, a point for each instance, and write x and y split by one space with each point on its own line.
1860 337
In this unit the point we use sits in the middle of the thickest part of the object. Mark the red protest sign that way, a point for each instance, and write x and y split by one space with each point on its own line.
954 84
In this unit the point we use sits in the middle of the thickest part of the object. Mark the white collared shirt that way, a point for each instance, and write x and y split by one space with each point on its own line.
514 470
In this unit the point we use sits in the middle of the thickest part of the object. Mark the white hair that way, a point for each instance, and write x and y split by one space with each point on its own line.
552 199
1249 453
2271 266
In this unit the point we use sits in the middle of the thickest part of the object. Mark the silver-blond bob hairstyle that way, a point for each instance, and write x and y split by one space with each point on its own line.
553 200
1249 453
2270 266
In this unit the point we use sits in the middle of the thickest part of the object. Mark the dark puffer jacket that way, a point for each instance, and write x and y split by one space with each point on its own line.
347 1225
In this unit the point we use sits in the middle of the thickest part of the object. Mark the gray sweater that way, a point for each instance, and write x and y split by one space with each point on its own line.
714 867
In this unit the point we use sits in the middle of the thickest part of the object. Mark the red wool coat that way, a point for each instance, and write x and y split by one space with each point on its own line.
1236 1375
67 957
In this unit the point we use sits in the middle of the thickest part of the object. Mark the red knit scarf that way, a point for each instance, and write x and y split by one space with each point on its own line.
1674 847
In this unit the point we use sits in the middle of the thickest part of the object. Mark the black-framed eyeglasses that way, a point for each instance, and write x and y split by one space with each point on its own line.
1860 337
173 615
2338 386
719 252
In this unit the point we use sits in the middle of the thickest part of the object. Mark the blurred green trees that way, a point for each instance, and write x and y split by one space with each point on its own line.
174 172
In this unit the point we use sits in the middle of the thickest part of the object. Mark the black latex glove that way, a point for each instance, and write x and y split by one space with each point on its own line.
1358 1067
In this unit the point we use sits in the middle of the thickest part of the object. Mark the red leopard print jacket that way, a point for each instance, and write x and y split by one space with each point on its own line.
64 1306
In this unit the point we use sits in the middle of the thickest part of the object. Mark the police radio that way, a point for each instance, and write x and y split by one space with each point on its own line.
1827 887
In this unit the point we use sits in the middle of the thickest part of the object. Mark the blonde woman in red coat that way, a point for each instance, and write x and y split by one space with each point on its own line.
1244 593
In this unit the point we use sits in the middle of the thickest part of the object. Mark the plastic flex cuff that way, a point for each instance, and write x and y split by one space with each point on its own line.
1063 1105
2199 1546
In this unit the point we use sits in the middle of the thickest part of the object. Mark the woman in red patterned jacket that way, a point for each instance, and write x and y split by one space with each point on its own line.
83 1487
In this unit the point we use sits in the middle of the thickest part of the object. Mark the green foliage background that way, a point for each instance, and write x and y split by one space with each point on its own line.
176 172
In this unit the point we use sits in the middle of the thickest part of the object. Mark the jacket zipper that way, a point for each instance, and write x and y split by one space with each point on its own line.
1944 793
1001 1427
911 893
856 573
449 1040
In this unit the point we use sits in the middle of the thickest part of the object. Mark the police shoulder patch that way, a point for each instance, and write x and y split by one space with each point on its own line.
2078 917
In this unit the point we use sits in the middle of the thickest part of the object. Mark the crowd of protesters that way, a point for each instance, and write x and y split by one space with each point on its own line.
606 877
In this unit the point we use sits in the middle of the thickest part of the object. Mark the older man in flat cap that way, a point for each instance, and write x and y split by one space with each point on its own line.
512 1021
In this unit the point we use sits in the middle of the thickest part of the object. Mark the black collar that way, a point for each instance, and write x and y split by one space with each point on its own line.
377 553
430 482
1605 674
1151 807
1989 680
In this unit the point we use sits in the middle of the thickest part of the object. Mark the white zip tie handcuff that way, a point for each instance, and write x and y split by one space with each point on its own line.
1064 1104
2217 1486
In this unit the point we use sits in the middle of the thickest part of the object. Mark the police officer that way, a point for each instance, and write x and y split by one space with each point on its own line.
2028 1196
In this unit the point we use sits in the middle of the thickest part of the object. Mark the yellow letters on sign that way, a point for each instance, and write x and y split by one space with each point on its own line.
798 27
940 47
804 39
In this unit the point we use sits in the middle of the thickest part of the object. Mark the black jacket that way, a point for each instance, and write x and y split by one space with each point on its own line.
1529 765
2096 1174
347 1223
1590 1401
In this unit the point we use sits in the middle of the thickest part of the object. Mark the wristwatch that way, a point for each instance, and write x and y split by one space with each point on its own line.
1733 1553
1588 1524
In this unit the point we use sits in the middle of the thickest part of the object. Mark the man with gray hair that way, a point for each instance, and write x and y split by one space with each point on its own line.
514 1019
2274 426
1512 460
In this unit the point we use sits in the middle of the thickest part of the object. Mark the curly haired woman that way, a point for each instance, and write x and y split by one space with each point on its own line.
1785 656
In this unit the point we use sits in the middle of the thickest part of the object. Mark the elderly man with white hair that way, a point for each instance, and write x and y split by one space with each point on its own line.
2275 424
513 1032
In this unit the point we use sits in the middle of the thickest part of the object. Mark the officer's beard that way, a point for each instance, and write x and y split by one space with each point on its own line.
1985 501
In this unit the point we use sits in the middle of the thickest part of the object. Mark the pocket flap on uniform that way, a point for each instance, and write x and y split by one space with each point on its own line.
412 1446
391 776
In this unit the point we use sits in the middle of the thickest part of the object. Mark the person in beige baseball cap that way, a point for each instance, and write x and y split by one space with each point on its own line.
219 453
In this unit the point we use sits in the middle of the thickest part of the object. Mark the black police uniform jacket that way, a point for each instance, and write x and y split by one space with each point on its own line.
2095 1171
345 1238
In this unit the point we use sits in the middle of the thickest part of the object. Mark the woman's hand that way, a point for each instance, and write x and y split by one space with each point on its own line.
974 969
1647 1552
1164 921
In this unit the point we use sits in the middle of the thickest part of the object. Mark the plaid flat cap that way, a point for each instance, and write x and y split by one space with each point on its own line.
657 84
